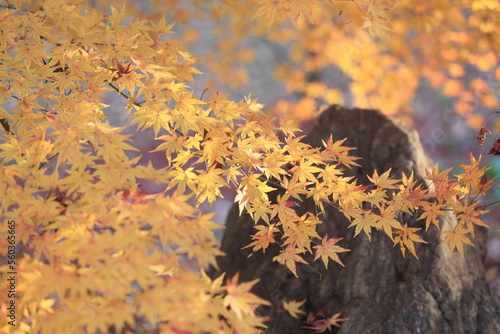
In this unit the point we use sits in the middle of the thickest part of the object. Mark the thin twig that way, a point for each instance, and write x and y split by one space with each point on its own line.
122 93
44 163
201 97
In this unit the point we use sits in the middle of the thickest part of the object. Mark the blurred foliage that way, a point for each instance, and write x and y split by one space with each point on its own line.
373 54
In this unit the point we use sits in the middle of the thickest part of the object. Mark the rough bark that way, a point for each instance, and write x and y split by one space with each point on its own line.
378 289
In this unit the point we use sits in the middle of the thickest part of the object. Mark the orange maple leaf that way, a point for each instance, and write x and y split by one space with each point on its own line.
406 237
431 213
472 178
411 196
328 249
339 153
443 188
263 238
469 214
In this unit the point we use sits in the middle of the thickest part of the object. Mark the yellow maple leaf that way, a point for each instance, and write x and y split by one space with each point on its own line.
240 299
457 238
172 144
283 208
377 27
384 180
181 179
300 8
293 306
301 232
208 184
387 220
364 222
271 11
289 257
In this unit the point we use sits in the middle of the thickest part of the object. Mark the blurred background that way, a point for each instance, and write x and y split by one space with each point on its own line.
434 65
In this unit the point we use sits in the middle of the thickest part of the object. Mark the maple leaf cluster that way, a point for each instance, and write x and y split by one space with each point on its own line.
315 322
95 249
389 50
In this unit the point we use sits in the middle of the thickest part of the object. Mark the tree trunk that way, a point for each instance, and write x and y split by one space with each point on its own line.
379 290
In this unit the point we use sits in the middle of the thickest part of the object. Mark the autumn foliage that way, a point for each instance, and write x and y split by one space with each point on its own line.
95 250
381 52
